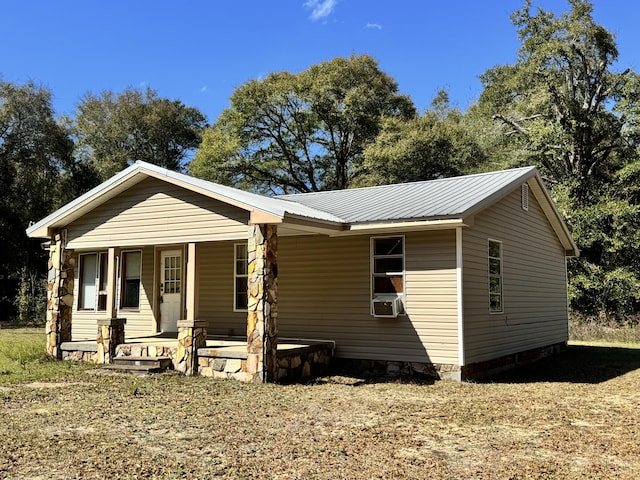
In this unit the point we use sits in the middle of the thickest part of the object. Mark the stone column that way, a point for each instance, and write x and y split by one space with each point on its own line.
262 312
110 335
192 335
59 294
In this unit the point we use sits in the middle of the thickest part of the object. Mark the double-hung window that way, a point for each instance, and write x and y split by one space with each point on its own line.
130 279
388 266
240 276
495 277
92 290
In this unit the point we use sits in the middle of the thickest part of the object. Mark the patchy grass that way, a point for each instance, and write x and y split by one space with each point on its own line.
22 357
574 416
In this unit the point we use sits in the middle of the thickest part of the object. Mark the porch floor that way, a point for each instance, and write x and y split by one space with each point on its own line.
216 346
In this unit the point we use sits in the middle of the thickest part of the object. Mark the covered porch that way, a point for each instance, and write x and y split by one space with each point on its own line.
221 357
260 356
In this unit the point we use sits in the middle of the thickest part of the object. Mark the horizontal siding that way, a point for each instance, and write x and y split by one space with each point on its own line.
324 292
140 322
216 290
156 213
534 282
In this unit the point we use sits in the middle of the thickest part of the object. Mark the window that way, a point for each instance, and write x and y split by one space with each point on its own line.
388 266
495 277
241 276
130 277
92 292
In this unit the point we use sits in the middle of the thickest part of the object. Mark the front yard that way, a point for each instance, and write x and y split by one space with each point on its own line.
575 416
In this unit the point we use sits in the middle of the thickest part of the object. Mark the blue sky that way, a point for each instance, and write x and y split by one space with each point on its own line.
198 51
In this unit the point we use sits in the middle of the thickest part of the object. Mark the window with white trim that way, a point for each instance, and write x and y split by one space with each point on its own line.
495 277
240 277
130 279
92 289
387 266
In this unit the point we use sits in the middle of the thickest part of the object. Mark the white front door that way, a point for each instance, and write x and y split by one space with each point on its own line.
170 289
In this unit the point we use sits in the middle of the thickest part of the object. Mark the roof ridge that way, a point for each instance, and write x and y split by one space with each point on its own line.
418 182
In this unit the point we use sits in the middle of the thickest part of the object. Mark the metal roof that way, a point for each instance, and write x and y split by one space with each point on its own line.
446 199
432 199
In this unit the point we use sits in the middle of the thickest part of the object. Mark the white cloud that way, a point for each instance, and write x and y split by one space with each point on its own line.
203 88
373 25
320 8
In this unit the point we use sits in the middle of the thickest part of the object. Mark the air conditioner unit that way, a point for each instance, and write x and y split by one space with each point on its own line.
387 307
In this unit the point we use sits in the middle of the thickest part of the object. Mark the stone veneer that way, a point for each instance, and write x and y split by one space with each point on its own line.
59 295
192 335
377 368
150 350
110 335
447 371
293 364
262 313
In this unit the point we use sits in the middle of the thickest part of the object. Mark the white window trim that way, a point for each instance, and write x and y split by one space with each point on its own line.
237 275
372 274
501 311
121 284
99 275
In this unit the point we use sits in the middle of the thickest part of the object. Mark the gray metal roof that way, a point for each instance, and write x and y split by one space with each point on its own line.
433 199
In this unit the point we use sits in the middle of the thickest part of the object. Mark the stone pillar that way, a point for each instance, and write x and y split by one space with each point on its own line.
262 312
110 335
192 335
59 294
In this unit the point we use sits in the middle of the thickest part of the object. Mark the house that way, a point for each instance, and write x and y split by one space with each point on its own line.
453 277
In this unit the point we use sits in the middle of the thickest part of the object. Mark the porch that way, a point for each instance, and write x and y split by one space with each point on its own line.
221 357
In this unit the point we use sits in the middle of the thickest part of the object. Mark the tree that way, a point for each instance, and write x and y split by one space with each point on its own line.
556 100
115 130
564 108
301 132
35 155
435 145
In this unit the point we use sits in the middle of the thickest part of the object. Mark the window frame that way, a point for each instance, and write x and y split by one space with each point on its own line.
499 276
237 276
101 269
373 275
123 280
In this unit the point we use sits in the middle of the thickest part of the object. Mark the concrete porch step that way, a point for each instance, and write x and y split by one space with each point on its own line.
139 364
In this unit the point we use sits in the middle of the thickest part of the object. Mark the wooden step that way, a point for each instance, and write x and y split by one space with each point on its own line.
139 364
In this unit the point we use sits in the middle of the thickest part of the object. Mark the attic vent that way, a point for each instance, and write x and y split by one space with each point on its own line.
525 196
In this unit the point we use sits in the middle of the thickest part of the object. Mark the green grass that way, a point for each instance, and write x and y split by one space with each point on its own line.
22 357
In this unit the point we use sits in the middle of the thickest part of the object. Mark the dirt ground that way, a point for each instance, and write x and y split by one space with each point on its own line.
576 416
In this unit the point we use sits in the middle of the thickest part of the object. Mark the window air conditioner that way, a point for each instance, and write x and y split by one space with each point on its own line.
387 307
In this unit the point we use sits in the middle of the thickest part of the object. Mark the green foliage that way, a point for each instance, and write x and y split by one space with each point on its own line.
563 108
35 157
115 130
301 132
31 300
437 144
556 100
22 358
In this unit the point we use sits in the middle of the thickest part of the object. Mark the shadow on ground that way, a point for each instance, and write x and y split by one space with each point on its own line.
579 364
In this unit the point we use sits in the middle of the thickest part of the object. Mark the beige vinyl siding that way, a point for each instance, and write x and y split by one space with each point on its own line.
157 213
216 290
139 322
324 292
534 282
